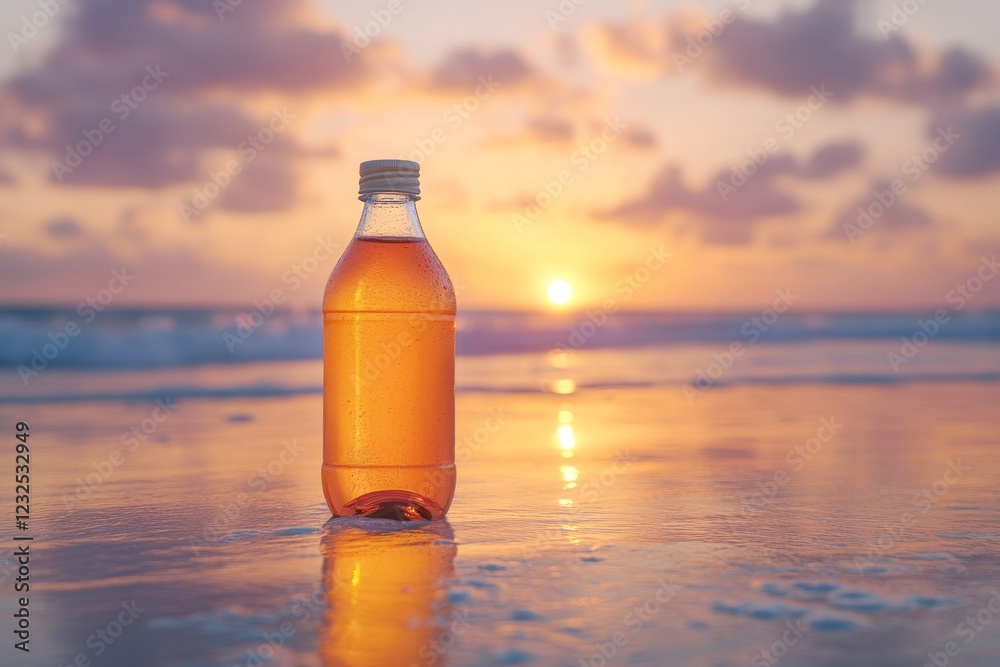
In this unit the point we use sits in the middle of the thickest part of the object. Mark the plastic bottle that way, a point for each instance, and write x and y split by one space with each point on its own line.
389 361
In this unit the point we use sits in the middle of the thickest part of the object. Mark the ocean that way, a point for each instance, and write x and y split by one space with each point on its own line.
60 354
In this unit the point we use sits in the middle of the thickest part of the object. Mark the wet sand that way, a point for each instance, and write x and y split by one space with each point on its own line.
803 525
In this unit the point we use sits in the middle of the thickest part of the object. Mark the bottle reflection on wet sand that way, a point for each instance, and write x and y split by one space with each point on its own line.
385 585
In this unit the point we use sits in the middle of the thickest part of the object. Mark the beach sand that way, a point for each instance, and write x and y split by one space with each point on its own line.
800 524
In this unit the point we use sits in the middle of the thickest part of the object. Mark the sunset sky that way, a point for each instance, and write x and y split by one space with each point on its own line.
555 144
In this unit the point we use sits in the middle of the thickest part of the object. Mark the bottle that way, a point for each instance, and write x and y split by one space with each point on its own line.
389 361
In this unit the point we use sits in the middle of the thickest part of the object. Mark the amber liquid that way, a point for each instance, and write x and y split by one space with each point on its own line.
389 381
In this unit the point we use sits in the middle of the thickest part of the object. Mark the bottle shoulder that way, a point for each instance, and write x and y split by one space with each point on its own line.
389 275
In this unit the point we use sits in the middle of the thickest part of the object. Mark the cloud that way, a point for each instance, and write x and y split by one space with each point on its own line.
63 228
161 274
164 144
820 46
260 46
977 150
634 48
724 222
216 75
831 159
668 192
550 129
138 85
553 130
464 70
867 214
815 46
6 178
728 207
508 75
957 72
263 185
537 131
639 137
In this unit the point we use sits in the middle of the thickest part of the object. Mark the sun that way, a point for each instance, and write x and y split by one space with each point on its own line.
560 292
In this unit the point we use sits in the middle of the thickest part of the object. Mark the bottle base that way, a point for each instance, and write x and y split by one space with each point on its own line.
403 493
399 505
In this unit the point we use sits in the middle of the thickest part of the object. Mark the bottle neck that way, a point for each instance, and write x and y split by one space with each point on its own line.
389 214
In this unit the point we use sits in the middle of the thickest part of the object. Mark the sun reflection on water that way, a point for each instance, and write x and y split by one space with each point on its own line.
569 474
